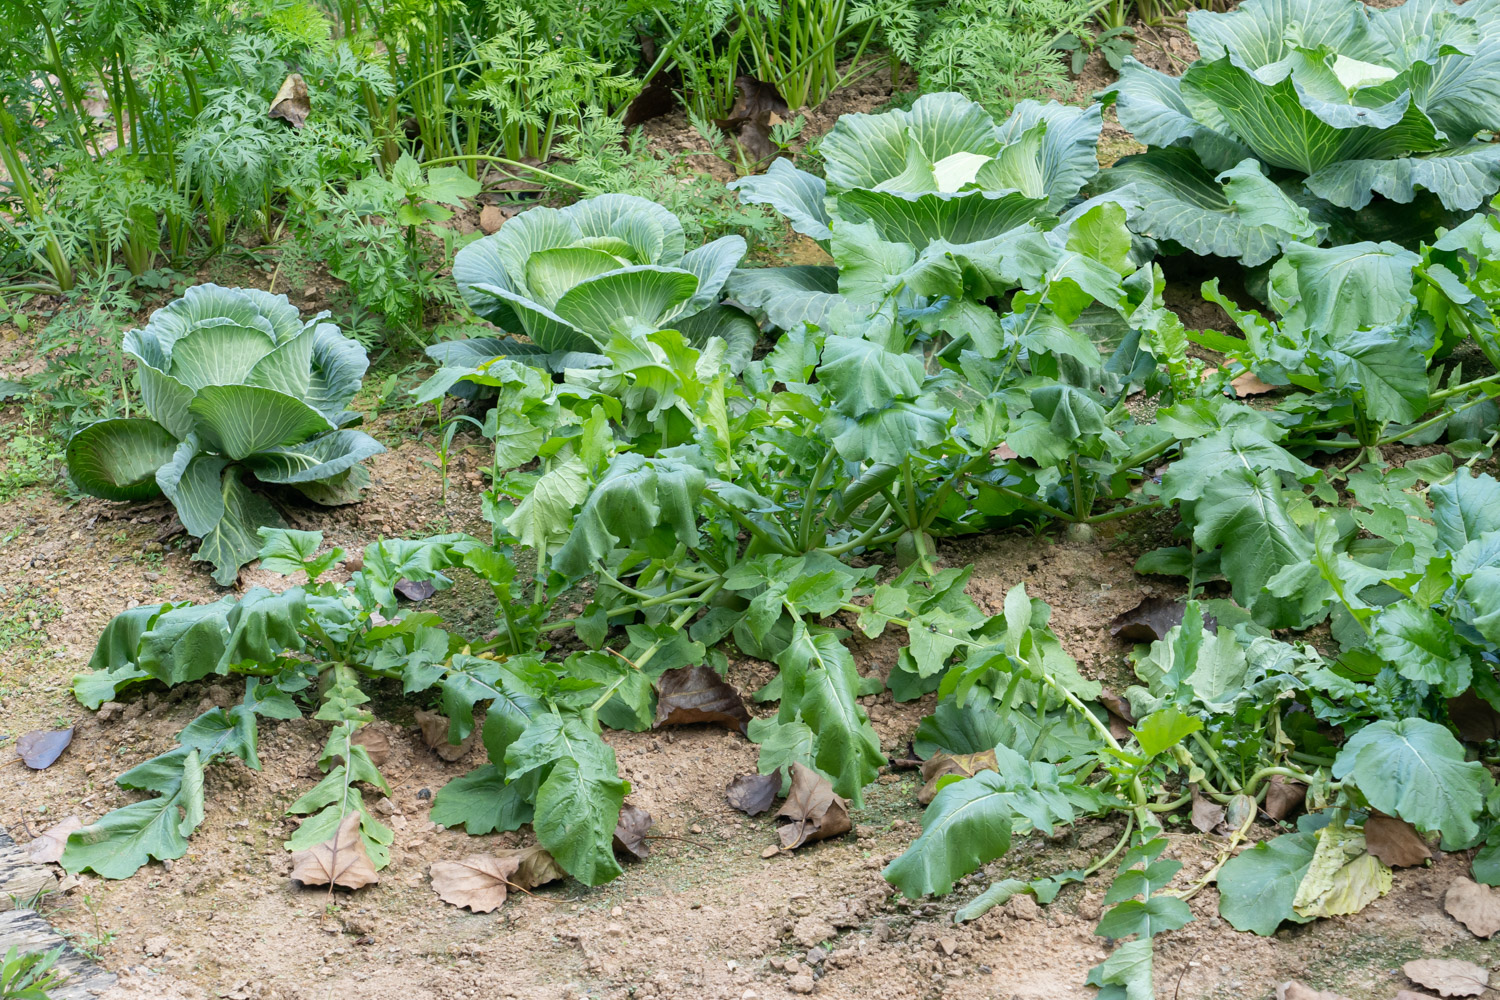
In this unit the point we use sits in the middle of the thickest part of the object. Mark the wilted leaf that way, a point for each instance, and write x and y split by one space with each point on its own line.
965 765
1249 384
415 590
478 882
435 734
48 846
535 867
41 747
1475 906
376 744
1342 877
811 810
1208 815
1294 990
631 830
1476 719
753 794
340 860
291 103
1449 977
1283 797
688 695
1395 841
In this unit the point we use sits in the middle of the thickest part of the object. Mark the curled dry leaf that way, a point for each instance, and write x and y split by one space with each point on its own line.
376 744
340 860
631 830
811 810
698 694
47 848
41 747
1293 990
1284 798
434 728
478 882
1249 384
415 590
753 794
965 765
1395 841
292 103
1475 906
1449 977
1208 815
534 867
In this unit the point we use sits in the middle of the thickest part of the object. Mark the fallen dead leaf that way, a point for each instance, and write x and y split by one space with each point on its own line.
434 728
478 882
1121 718
1004 452
1449 977
1475 906
631 830
1395 841
1284 797
811 810
1207 814
415 590
41 747
376 744
940 765
340 860
1152 619
757 106
753 794
1249 384
1476 719
535 867
291 103
1293 990
690 695
1412 995
48 846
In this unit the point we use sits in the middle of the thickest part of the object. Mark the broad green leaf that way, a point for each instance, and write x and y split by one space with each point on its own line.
787 297
1421 645
481 802
1356 286
620 301
235 540
321 457
1164 729
576 813
122 841
1416 770
967 825
117 459
1127 970
1146 918
1257 887
794 193
782 744
240 420
219 354
1244 514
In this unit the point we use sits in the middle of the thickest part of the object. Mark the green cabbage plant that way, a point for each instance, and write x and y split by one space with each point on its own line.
901 184
571 279
237 388
1306 119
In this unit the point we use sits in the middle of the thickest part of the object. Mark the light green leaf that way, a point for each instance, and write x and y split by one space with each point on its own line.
117 459
1415 769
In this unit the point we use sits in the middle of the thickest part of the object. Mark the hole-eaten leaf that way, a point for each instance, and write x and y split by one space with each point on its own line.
478 882
48 847
631 830
41 747
753 794
1475 906
965 765
689 695
1449 977
1395 841
340 860
434 728
811 810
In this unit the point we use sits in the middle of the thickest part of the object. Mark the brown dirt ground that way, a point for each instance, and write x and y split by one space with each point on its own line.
706 916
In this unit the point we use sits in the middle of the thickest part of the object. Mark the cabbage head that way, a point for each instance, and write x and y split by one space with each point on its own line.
237 389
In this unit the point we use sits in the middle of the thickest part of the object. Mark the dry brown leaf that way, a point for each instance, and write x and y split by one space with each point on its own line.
1395 841
1283 797
40 748
47 848
1121 718
292 103
1249 384
434 728
811 810
1449 977
1208 815
688 695
377 745
631 830
1475 906
340 860
1004 452
1293 990
940 765
535 867
757 106
1412 995
1476 719
753 794
1152 619
478 881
